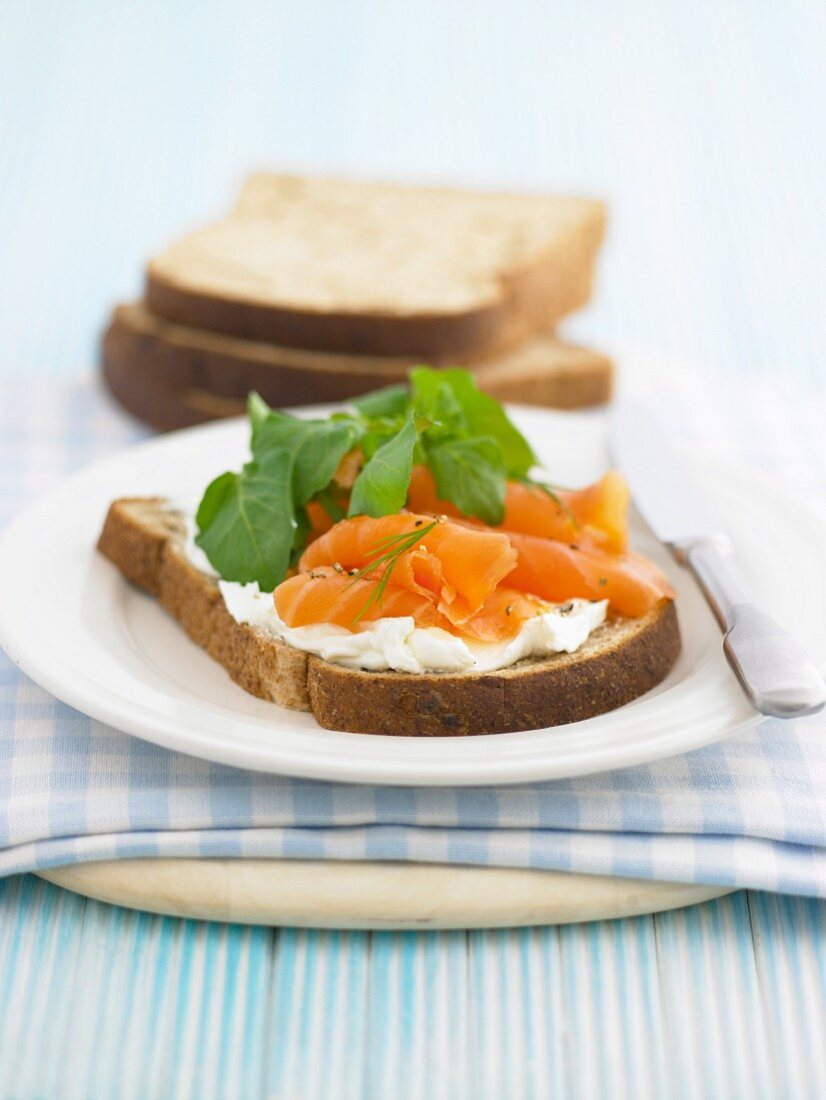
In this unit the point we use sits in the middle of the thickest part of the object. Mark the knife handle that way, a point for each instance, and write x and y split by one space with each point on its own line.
775 671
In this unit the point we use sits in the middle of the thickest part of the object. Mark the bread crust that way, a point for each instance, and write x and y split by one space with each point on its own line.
530 292
161 407
619 662
531 301
145 540
485 329
172 376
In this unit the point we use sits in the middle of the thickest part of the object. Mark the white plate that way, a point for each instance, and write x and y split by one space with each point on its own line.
76 627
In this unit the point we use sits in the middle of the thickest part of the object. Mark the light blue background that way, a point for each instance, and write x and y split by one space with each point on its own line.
123 123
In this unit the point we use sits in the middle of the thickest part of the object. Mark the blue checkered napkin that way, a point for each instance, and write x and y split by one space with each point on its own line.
748 812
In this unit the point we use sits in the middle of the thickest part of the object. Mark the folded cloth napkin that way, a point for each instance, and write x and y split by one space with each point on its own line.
750 811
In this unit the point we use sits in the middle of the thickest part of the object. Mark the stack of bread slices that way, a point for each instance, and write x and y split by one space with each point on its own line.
315 290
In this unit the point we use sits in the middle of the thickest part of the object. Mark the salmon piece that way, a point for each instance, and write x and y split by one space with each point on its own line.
458 566
320 519
325 596
349 469
601 509
598 512
455 564
329 597
502 615
557 571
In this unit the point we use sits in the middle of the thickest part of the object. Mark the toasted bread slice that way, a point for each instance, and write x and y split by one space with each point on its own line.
380 268
620 661
172 376
161 407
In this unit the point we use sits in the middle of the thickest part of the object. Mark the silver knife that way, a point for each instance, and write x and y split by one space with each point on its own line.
774 670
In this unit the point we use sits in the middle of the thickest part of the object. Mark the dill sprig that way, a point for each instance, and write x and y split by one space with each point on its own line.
393 546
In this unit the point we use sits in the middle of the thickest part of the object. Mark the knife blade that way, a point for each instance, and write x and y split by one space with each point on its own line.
774 670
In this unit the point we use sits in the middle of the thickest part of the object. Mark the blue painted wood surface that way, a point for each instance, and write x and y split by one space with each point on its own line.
726 999
122 123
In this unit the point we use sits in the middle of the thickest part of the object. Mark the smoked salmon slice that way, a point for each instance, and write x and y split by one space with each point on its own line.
598 512
454 574
320 520
557 571
455 564
325 596
502 615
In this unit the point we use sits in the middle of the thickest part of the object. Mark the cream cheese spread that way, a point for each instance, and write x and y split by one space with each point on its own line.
397 643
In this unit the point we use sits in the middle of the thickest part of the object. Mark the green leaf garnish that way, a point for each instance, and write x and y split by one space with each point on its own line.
471 474
391 401
252 525
315 448
433 397
381 487
481 415
243 529
258 410
301 535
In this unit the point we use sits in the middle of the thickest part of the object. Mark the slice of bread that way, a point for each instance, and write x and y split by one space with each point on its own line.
620 661
165 409
380 268
172 376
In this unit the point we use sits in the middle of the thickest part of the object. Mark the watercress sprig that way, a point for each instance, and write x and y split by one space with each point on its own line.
253 524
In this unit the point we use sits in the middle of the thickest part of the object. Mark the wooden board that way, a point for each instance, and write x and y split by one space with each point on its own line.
301 893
